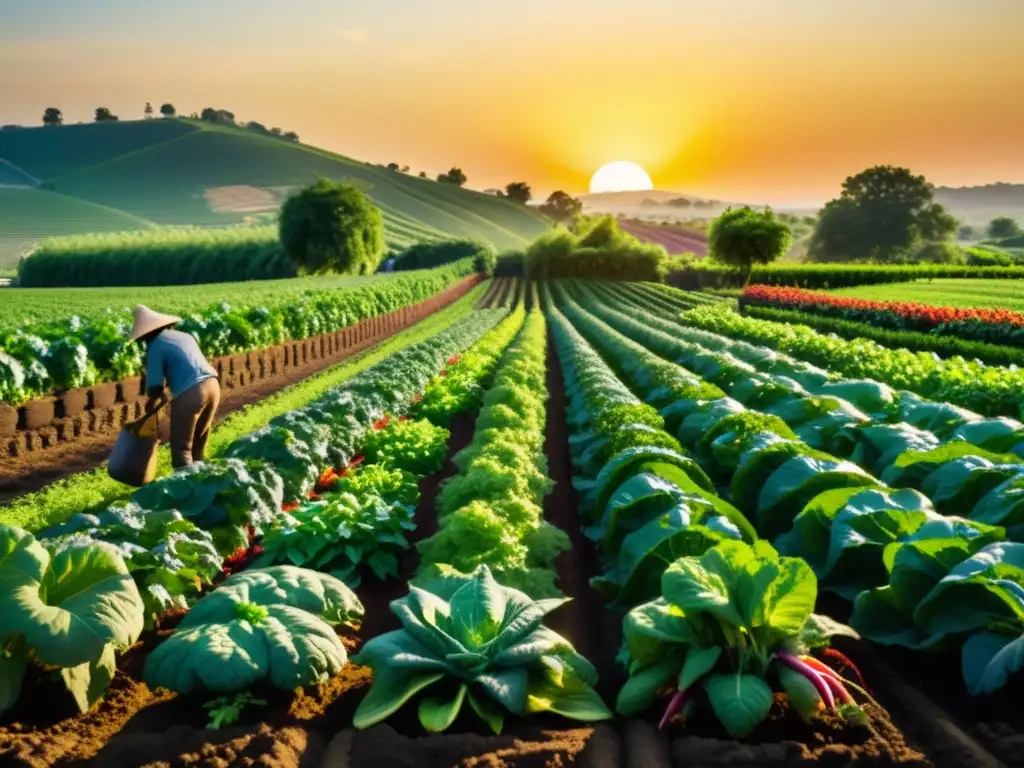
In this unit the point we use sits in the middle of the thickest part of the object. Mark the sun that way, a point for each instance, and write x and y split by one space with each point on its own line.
620 176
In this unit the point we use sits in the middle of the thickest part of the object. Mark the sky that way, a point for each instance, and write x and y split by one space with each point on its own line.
751 100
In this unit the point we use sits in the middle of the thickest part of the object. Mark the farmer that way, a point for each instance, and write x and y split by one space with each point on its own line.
195 392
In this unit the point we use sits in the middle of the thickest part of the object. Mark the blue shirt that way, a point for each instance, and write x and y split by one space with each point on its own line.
176 357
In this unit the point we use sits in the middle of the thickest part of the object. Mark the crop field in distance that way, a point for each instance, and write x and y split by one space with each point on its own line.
1005 294
45 304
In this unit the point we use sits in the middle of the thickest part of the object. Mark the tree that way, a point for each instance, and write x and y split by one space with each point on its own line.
561 206
148 111
1003 226
519 192
393 166
291 136
328 226
168 110
743 237
881 214
276 132
423 174
104 115
454 176
217 116
53 116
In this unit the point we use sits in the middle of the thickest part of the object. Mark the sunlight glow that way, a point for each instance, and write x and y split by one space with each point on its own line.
620 176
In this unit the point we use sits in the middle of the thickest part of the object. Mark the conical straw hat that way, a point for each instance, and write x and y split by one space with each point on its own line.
147 321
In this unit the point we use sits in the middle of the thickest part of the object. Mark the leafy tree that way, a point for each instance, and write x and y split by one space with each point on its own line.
454 176
423 174
881 214
519 192
168 110
276 132
404 169
328 226
53 116
743 237
1003 226
217 116
966 232
393 166
680 202
104 115
291 136
561 206
148 111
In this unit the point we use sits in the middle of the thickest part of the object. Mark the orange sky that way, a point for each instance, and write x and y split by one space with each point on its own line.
734 99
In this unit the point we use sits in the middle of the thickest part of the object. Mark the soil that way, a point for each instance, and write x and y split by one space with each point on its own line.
594 631
500 291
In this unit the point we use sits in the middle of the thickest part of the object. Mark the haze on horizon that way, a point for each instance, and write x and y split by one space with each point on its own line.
760 100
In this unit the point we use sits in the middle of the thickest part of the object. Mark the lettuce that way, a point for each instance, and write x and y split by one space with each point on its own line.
946 590
466 638
725 620
274 624
71 610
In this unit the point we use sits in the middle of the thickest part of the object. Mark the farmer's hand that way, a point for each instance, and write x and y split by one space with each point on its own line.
154 399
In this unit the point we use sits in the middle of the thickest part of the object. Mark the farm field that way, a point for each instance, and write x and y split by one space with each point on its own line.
43 305
1004 294
693 489
672 239
180 172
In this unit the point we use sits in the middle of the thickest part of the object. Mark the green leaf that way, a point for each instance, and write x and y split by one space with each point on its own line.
740 702
509 687
88 682
692 588
85 601
639 692
989 659
436 714
789 599
819 629
488 711
698 663
391 689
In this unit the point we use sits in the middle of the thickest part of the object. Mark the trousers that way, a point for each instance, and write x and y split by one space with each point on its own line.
192 415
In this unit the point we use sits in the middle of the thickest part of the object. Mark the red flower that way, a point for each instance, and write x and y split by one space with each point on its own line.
380 424
291 506
417 398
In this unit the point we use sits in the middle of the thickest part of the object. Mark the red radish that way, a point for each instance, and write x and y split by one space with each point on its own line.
811 674
674 705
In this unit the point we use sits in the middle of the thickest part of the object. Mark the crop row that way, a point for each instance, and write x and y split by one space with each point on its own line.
987 389
997 326
74 353
704 275
830 511
913 341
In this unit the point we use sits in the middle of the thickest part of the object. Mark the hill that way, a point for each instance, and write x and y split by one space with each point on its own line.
174 172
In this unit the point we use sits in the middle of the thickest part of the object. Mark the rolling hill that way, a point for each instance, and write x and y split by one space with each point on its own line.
173 172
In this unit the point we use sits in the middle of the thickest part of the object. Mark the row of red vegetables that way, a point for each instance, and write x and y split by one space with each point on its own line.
925 316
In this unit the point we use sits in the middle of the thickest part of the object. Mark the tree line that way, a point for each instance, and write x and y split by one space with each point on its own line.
54 116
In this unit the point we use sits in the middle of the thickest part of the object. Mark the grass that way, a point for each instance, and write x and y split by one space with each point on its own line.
1006 294
93 490
29 214
159 171
45 304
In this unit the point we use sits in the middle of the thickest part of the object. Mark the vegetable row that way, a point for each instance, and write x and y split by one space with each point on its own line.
1000 326
674 552
123 568
59 356
830 512
986 389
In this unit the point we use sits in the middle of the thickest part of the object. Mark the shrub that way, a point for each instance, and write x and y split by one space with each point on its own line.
331 227
429 255
598 250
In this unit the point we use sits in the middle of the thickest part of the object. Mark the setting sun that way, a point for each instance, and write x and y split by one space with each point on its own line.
620 176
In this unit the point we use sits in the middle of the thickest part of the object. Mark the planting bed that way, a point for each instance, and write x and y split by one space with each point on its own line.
554 501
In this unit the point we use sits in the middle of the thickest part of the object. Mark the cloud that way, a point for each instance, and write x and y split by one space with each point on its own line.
354 35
